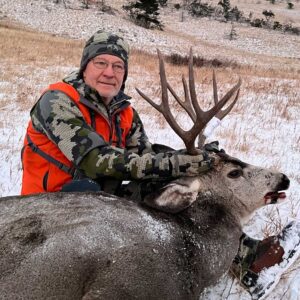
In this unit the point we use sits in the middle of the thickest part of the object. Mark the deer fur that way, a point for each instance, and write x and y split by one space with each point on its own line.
97 246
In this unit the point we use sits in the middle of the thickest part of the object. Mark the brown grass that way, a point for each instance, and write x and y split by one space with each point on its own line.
28 56
38 49
275 224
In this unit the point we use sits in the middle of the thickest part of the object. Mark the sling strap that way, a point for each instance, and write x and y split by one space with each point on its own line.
60 165
118 131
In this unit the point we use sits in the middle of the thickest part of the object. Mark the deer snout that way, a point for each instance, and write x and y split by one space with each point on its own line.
285 183
272 197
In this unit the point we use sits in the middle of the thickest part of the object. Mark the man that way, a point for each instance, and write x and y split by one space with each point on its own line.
84 127
85 135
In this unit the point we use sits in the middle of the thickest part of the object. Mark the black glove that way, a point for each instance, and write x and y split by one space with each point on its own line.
159 148
213 147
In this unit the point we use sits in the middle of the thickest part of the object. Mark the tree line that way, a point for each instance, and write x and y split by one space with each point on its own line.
146 13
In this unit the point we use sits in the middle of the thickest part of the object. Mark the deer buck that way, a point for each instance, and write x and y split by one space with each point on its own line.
98 246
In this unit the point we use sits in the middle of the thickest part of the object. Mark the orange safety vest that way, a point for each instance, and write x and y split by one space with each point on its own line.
51 170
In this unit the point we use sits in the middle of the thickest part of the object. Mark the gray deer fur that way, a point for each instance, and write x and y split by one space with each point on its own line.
97 246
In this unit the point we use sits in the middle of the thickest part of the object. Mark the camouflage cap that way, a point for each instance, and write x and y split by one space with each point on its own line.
104 43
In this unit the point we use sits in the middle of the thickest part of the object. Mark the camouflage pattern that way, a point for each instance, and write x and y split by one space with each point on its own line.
104 43
240 267
121 164
57 116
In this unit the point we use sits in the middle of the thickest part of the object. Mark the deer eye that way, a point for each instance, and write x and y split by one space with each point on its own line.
235 173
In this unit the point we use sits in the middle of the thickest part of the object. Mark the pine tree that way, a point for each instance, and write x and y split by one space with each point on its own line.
268 15
226 8
144 13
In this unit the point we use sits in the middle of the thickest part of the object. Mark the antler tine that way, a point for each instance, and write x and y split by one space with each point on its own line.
156 106
222 113
194 100
215 88
186 105
164 107
217 108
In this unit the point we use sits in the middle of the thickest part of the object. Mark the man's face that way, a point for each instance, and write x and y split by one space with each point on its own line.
105 73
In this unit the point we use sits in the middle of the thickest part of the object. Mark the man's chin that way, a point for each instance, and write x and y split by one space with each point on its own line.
106 96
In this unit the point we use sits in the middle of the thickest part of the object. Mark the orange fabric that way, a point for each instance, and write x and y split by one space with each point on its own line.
39 175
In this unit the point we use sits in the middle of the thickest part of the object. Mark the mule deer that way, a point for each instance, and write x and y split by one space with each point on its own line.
98 246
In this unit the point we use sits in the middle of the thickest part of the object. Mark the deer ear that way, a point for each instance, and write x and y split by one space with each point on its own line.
175 196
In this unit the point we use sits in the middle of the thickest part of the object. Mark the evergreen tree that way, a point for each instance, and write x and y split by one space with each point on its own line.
226 8
268 15
144 13
199 9
162 3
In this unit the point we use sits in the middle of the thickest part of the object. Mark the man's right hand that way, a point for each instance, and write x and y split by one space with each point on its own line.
184 164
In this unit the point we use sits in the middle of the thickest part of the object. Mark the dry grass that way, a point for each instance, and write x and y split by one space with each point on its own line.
27 56
38 49
274 224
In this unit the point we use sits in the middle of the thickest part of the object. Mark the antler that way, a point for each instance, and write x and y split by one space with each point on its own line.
190 105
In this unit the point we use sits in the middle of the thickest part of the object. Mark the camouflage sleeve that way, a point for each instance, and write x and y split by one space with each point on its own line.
124 165
58 117
137 140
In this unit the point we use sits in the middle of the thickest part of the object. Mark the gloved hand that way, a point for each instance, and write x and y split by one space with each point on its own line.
213 147
184 164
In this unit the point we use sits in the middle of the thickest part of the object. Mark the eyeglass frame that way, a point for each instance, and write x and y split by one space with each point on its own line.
107 64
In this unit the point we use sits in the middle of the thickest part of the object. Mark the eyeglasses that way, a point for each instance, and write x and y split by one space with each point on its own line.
102 64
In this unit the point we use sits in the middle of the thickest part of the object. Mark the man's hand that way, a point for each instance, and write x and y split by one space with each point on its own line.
184 164
213 147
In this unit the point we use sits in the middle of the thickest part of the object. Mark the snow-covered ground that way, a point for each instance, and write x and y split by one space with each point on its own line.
264 129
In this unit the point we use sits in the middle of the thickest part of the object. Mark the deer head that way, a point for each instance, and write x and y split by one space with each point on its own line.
224 177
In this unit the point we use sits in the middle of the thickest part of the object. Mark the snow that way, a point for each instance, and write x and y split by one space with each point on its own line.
263 129
271 276
156 230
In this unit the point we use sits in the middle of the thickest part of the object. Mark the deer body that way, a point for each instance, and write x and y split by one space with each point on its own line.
91 246
97 246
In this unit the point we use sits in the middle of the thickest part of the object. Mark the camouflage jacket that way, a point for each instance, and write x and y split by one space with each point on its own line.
57 116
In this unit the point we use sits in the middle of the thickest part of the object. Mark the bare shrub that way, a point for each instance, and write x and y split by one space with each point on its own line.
274 224
177 59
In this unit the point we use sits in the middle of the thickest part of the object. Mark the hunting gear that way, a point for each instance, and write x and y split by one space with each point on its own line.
258 256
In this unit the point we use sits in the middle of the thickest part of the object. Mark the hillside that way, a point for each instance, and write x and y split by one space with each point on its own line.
253 46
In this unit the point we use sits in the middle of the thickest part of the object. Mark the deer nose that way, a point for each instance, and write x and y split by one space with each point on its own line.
285 182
